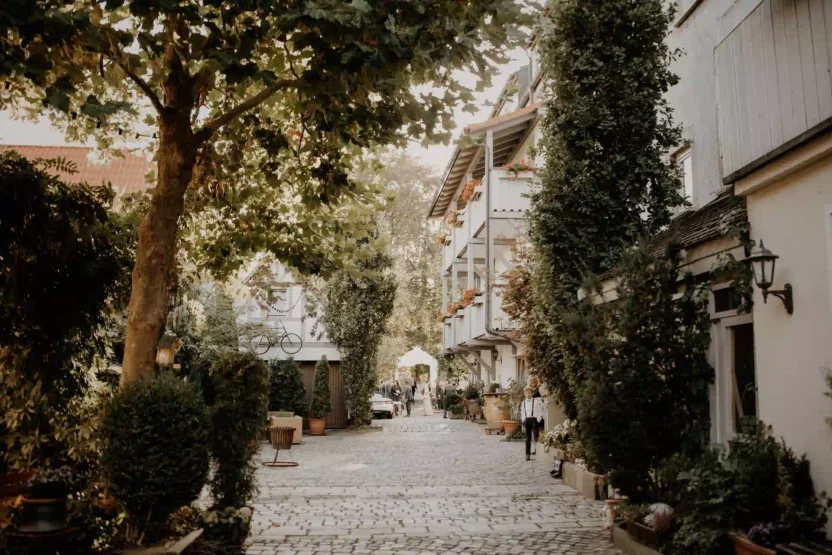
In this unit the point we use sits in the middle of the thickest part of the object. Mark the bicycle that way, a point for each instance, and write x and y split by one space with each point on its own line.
290 343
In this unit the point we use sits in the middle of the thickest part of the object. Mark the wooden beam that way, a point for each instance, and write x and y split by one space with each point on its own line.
479 359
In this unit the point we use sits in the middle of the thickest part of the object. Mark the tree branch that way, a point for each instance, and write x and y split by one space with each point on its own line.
211 126
142 84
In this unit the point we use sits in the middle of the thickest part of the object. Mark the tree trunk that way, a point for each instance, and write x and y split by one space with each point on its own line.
156 251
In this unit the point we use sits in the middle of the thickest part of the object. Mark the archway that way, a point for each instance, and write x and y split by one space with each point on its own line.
415 357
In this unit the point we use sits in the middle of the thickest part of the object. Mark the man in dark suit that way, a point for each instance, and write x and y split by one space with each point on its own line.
408 397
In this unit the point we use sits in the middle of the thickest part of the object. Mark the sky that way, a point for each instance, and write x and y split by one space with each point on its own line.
23 132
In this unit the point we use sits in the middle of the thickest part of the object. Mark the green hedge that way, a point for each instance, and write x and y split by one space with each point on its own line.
286 391
238 413
155 454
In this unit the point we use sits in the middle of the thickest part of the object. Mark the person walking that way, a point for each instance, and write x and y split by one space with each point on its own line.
427 406
531 413
534 383
396 396
440 398
408 398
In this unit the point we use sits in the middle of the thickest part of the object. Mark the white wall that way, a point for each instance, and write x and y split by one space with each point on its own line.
295 320
794 218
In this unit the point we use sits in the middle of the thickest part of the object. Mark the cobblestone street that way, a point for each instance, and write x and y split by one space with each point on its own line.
419 485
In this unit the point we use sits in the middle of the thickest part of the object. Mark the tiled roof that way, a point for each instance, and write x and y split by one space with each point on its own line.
127 174
714 220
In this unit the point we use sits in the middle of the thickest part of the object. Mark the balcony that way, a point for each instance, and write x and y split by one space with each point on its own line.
447 255
774 89
448 334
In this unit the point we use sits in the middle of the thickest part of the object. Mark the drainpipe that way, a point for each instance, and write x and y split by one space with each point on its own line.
489 164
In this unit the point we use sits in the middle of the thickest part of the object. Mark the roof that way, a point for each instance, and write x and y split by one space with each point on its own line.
127 174
716 219
510 130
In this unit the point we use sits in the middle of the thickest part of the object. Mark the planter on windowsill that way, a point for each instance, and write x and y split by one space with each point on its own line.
744 546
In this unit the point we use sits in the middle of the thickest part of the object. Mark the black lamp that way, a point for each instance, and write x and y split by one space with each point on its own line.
762 263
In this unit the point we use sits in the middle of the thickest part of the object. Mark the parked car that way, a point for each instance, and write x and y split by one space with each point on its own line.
382 406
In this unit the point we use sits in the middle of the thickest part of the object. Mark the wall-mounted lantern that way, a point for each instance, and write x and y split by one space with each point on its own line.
166 349
762 263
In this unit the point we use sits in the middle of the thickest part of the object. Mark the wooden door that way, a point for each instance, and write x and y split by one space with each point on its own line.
338 417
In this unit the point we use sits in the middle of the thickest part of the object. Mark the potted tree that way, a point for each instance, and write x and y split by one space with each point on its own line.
321 405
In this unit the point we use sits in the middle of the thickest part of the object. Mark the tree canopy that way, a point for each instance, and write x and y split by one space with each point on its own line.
245 98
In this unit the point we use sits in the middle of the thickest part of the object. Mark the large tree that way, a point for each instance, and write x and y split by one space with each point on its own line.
275 90
410 239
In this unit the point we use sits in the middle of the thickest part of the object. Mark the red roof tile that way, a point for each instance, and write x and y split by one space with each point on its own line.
127 174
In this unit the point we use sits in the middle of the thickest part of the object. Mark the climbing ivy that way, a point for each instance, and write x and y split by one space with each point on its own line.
355 311
606 180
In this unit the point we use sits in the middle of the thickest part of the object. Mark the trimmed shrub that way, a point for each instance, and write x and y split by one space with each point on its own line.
321 405
238 413
286 391
155 454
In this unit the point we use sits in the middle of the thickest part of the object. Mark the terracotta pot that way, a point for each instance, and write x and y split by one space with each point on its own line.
510 426
744 546
316 426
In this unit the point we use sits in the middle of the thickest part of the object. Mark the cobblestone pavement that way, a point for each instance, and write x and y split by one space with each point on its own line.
421 485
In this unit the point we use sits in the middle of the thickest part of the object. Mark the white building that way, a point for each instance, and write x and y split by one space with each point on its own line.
299 335
483 201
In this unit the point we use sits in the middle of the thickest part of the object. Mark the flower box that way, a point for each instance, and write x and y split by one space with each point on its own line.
744 546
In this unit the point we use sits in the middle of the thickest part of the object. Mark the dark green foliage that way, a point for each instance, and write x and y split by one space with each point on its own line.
156 438
286 391
704 515
452 399
221 330
759 481
64 270
606 180
238 414
355 314
644 394
321 405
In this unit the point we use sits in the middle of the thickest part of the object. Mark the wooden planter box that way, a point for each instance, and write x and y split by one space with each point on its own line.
744 546
629 545
643 534
584 481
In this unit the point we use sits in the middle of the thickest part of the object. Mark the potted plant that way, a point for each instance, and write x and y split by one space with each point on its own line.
44 507
321 405
510 404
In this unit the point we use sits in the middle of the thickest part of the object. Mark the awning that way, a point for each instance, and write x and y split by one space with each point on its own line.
509 131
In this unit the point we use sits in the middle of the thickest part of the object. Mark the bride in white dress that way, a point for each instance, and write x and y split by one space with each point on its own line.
426 400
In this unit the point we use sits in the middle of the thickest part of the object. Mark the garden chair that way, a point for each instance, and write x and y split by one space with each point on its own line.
281 438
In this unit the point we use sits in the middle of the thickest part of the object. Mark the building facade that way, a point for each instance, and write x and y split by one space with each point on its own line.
755 104
299 335
483 202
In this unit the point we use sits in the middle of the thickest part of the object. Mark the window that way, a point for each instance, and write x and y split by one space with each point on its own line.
279 301
684 159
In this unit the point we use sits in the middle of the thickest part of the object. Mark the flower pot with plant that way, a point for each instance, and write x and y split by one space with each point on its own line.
44 507
510 403
321 405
